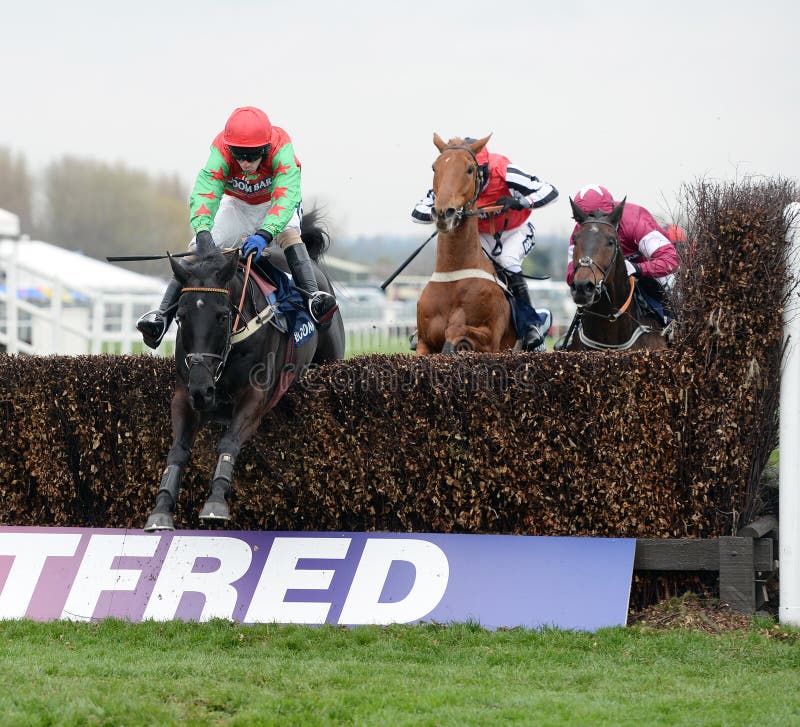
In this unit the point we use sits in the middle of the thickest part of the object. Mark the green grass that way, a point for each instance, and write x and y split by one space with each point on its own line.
116 673
393 345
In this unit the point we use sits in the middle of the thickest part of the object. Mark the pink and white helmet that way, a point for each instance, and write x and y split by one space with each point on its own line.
594 197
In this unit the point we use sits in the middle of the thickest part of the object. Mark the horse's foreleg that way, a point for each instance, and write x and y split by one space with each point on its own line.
423 349
184 425
247 415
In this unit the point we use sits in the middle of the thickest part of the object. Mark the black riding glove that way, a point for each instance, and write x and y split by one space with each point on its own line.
510 203
204 239
633 269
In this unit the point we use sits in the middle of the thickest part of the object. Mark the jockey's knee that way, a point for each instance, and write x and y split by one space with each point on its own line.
290 236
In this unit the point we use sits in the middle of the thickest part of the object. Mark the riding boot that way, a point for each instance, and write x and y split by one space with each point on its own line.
533 337
321 305
154 324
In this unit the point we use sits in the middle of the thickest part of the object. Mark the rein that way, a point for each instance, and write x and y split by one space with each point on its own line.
244 291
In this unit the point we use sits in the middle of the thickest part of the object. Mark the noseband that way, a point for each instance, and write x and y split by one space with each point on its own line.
464 210
206 359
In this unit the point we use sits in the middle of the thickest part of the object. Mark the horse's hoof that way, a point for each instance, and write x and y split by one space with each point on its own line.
215 511
159 521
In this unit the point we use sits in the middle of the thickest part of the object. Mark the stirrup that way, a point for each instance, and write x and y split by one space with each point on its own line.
321 307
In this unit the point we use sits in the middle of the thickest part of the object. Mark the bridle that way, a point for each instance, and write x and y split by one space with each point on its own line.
206 360
595 267
464 210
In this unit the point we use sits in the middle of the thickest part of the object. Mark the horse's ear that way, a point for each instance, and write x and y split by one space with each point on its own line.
477 146
230 268
577 213
438 142
616 214
178 270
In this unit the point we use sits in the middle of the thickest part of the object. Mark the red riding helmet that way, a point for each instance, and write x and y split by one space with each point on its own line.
594 197
247 127
675 233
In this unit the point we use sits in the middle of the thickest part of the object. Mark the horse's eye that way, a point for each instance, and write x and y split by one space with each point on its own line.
470 170
612 240
222 318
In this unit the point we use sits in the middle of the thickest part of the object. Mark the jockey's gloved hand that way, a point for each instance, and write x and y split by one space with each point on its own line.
204 239
510 203
256 244
633 269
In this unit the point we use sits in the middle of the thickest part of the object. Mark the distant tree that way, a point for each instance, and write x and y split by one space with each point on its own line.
15 188
103 210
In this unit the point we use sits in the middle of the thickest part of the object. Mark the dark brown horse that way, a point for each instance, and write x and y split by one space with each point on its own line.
609 316
233 364
463 307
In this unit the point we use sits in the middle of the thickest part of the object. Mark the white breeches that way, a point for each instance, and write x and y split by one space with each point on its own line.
516 244
236 220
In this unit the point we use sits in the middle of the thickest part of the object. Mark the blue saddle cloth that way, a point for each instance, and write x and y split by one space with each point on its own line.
524 316
652 295
289 302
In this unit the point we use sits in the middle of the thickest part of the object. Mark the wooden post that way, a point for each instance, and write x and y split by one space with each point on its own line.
736 559
737 585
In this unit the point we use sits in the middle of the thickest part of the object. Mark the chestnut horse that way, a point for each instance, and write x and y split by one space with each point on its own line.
463 307
610 317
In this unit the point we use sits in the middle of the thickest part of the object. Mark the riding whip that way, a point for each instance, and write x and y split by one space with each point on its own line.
399 270
136 258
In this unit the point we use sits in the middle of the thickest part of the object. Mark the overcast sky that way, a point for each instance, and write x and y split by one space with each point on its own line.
641 96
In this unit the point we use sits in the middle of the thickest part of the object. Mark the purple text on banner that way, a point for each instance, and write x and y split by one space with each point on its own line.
315 578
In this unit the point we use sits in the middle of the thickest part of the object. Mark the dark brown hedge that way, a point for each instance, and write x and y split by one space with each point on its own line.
612 444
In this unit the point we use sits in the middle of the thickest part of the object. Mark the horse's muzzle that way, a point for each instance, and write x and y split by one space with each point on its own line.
447 220
584 292
202 389
202 398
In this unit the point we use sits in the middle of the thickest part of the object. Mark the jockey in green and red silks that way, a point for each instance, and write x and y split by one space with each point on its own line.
274 181
248 193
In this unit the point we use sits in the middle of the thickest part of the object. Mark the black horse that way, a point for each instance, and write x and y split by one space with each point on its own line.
233 377
610 316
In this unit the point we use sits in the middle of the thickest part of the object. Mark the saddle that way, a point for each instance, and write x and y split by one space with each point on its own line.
288 311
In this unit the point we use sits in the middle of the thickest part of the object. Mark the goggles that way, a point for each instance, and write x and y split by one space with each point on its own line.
248 154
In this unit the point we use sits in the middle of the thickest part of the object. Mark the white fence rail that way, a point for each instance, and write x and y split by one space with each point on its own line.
65 320
44 313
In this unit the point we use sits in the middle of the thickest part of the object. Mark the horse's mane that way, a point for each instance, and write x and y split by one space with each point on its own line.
206 264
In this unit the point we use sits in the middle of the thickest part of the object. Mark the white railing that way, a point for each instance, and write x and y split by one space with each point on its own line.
67 320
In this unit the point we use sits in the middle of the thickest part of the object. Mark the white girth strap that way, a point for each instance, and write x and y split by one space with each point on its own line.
464 274
260 319
638 331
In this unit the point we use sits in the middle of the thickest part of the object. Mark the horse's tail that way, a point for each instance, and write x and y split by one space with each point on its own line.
315 234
